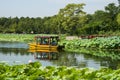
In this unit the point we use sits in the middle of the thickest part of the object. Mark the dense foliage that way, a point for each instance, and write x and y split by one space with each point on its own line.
100 42
34 71
70 20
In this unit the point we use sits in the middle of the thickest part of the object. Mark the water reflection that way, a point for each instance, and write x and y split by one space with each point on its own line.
82 59
15 56
16 51
106 54
46 55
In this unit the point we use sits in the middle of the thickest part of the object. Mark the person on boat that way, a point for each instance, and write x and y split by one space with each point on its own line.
45 41
54 42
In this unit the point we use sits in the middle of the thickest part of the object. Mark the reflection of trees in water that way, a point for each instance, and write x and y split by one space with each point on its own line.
110 64
16 51
70 59
105 62
110 59
82 64
66 59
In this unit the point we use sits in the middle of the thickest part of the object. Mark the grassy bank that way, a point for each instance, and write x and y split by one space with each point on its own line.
19 37
34 71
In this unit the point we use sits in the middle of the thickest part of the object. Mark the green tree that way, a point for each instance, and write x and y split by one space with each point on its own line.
96 23
38 25
118 21
118 18
54 25
112 11
72 17
119 2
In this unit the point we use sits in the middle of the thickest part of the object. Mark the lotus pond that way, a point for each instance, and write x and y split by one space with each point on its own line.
14 53
17 63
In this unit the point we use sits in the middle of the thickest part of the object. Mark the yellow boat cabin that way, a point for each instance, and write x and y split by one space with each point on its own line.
45 43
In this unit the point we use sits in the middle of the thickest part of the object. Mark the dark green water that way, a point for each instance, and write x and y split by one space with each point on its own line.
17 53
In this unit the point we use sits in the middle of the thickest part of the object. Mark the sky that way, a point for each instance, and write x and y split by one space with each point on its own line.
45 8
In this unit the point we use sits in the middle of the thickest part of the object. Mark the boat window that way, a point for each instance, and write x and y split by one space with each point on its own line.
54 41
45 41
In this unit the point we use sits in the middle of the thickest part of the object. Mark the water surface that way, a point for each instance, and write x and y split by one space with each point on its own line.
17 53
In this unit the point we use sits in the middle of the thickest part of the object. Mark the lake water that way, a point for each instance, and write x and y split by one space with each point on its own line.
17 53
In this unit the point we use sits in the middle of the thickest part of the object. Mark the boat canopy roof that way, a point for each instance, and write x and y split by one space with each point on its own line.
47 40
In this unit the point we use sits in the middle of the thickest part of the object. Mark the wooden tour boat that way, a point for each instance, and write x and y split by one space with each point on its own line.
45 43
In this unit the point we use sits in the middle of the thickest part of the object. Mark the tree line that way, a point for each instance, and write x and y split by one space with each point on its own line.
71 20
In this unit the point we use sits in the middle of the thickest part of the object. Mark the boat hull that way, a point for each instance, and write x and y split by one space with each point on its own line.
38 47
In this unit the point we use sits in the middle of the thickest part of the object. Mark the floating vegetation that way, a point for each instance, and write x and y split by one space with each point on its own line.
34 71
100 42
